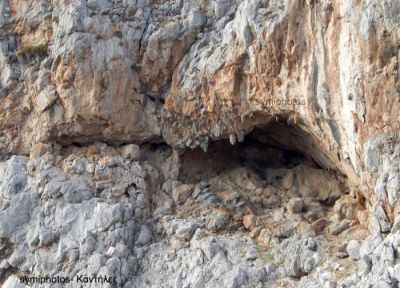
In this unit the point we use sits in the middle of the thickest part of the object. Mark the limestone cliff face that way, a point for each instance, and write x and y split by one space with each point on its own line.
110 66
319 77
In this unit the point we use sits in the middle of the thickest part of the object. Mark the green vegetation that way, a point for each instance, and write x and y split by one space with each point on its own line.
265 254
33 50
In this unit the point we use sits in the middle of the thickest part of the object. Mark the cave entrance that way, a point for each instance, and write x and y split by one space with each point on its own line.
275 145
273 164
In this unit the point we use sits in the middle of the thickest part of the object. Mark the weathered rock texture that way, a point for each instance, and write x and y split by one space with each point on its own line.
316 77
110 65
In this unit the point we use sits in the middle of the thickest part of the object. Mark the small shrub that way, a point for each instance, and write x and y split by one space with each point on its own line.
33 50
118 33
210 52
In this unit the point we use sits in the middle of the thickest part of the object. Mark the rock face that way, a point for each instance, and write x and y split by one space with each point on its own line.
107 108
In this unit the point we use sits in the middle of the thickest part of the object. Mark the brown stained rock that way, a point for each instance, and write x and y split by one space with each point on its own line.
312 183
181 193
338 227
304 228
39 149
267 238
238 217
255 232
345 207
320 225
249 221
48 157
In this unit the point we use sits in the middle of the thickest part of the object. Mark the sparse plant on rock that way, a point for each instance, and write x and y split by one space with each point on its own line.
33 50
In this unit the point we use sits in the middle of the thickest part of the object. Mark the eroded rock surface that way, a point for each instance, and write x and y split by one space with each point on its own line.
295 102
96 211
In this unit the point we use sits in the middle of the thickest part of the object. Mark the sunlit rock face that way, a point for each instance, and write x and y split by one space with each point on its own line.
296 102
221 67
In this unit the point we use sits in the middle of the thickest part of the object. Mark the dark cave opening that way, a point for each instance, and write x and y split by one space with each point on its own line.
276 169
274 145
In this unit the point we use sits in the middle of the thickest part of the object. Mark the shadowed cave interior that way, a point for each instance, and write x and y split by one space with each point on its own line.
273 164
264 150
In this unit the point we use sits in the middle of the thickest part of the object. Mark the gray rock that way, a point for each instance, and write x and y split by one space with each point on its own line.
386 253
20 208
344 207
251 253
4 264
270 268
106 215
302 259
309 282
371 156
210 248
46 98
380 221
236 278
393 184
73 190
396 224
262 275
369 245
221 7
13 282
186 229
145 236
353 249
196 19
366 264
309 265
14 177
17 258
330 284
